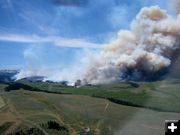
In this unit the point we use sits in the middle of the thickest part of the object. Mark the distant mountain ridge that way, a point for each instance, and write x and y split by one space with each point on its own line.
35 78
7 75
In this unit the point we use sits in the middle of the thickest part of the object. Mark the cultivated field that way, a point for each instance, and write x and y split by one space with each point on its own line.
160 95
1 102
78 111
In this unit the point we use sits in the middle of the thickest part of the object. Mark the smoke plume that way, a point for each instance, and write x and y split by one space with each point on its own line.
176 4
145 52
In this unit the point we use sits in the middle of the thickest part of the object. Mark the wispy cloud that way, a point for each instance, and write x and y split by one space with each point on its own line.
23 38
54 40
9 2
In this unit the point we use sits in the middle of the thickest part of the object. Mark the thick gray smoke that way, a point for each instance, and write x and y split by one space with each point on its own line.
143 53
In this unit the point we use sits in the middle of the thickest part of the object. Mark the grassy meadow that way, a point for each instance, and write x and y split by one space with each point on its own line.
160 95
116 109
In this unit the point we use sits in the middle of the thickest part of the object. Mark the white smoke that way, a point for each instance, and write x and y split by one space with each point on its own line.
176 5
144 52
24 73
140 53
35 58
55 75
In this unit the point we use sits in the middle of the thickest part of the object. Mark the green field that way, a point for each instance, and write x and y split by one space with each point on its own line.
160 95
91 107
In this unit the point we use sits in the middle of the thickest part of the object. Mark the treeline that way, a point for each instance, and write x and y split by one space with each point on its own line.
55 125
30 131
17 86
5 126
50 125
118 101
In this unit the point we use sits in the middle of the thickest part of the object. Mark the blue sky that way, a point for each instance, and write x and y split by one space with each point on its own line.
55 33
